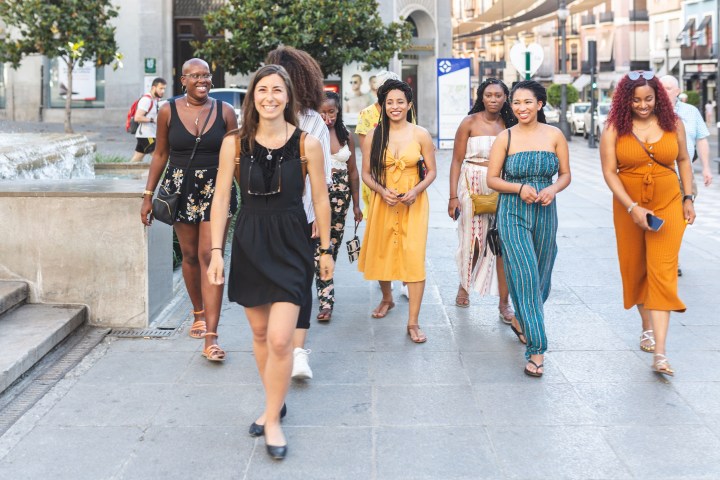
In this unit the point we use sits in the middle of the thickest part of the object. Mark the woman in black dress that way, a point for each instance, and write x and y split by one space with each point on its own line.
271 267
180 123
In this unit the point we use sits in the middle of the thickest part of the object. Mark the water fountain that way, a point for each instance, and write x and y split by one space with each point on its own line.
34 156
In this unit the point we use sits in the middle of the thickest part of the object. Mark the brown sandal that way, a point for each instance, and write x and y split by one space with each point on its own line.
199 327
324 315
462 300
419 334
378 314
213 353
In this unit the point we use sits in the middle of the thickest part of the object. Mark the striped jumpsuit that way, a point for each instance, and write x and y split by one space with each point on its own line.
527 235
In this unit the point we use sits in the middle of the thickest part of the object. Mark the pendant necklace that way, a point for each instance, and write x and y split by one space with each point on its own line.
202 107
270 150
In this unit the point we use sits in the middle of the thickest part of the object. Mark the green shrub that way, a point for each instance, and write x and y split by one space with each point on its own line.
553 94
693 98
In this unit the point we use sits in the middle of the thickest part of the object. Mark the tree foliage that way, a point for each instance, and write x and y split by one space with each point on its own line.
553 95
334 32
78 31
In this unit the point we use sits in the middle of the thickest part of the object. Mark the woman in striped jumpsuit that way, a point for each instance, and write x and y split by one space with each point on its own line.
523 162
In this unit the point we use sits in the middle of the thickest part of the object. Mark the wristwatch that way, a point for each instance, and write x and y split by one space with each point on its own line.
689 197
326 251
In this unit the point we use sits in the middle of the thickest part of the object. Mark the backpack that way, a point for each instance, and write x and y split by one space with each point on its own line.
131 125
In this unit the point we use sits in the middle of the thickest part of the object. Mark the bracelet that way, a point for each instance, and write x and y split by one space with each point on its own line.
520 191
453 198
217 248
632 205
148 192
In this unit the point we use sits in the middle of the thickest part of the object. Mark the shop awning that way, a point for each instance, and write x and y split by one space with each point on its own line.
605 46
686 29
581 82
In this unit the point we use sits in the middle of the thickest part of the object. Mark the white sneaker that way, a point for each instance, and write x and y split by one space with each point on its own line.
301 369
404 291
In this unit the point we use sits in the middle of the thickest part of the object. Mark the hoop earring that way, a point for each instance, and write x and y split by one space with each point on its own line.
184 89
212 85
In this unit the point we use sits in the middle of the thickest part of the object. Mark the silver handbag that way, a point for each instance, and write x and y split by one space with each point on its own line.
353 246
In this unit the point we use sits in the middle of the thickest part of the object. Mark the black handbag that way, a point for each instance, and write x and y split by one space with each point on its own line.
422 169
165 204
353 246
493 236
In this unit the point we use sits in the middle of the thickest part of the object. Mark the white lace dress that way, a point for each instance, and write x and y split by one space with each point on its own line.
472 229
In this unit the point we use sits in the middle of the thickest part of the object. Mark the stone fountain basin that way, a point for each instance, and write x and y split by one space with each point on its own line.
25 156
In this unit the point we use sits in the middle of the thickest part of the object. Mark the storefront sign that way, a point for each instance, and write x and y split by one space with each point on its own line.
453 97
83 80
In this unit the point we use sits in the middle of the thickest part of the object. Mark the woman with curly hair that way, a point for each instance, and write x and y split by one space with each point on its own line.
346 185
490 115
642 141
523 161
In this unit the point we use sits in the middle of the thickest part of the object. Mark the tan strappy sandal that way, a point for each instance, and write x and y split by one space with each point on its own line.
213 353
419 337
647 336
661 365
199 327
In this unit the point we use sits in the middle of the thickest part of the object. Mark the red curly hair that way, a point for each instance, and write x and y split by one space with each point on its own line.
621 113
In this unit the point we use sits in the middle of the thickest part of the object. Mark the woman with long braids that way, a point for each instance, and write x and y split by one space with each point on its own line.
523 161
397 225
638 149
346 185
478 267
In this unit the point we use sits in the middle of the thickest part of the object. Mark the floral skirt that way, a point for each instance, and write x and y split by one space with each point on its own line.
197 194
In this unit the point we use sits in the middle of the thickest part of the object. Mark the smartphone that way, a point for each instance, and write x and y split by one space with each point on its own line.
400 195
654 222
457 213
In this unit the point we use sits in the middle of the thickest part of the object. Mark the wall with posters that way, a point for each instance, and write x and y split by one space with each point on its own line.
359 90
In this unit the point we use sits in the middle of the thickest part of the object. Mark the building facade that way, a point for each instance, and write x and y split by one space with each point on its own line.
699 48
155 39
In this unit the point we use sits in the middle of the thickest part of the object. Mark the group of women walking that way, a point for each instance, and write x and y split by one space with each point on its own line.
507 168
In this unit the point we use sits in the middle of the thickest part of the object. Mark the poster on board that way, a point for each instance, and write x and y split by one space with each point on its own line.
83 79
453 94
359 90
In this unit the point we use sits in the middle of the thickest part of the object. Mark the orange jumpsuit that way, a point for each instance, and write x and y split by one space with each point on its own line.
649 260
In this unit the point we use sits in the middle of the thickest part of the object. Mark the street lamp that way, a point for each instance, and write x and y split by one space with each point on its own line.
666 44
563 14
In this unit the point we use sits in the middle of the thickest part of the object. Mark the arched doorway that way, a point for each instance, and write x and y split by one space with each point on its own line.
418 65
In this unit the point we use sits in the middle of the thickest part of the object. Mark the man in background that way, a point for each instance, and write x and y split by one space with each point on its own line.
146 115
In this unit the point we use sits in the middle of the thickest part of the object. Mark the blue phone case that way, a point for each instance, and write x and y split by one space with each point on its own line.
654 222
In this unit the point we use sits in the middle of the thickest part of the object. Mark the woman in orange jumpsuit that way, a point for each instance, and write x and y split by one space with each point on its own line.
642 141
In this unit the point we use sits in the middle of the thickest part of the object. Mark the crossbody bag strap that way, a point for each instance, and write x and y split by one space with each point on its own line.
652 157
237 158
303 158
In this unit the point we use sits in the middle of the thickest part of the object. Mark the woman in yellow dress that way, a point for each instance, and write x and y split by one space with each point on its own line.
397 224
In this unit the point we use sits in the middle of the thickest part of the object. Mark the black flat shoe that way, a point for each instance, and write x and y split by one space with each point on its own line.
518 333
259 430
276 453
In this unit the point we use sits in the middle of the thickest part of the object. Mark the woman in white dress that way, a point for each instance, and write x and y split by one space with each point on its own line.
479 269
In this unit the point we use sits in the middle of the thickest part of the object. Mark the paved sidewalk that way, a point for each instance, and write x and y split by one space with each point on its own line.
381 407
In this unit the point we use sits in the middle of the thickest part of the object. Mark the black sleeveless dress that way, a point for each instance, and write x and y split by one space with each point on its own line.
198 190
272 258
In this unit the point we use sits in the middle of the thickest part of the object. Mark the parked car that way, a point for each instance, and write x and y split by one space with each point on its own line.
233 96
552 114
600 116
576 117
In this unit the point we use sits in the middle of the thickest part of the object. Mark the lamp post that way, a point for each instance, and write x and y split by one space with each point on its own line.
563 14
666 44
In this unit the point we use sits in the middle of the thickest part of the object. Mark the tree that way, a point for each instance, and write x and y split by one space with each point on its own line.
334 32
77 31
553 95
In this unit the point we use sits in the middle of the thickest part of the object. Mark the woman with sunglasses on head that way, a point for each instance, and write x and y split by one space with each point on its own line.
479 269
523 161
190 132
271 267
346 185
397 225
642 140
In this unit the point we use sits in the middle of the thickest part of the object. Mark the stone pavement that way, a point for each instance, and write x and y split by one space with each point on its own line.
381 407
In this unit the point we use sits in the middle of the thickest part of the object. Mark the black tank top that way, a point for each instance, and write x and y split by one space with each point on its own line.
182 142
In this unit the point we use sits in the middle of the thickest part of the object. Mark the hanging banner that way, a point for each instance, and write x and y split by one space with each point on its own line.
453 97
83 78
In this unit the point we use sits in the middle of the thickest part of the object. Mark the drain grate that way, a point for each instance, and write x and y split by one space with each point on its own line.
141 333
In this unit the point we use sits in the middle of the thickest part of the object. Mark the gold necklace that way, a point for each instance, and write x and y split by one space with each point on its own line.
643 129
202 107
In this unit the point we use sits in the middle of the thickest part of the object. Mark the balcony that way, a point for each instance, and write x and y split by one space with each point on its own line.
639 16
696 52
587 20
639 65
607 66
607 17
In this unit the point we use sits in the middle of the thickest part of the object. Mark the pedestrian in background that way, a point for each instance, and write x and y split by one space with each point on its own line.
345 186
146 115
271 266
523 161
180 132
307 79
479 268
397 225
642 141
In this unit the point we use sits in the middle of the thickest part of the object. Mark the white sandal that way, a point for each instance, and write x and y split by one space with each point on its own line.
662 365
647 335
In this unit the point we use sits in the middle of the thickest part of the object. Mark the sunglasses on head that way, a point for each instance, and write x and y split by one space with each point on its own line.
636 74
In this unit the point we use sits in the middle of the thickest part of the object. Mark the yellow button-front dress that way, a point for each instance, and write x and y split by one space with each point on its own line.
395 238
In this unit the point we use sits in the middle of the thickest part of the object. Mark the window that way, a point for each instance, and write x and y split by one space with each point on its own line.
573 57
2 86
57 89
